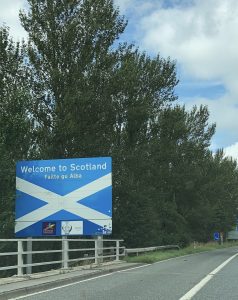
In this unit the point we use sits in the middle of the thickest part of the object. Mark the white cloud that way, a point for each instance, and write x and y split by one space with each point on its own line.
9 11
232 151
202 37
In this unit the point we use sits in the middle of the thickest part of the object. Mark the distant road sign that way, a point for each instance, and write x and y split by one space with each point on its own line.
64 197
216 236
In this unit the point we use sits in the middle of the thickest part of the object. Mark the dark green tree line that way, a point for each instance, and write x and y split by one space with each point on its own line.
75 91
15 124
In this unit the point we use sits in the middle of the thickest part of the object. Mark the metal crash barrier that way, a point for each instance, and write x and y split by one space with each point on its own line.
68 252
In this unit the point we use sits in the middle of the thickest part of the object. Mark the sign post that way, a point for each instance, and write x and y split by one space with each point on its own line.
100 249
65 252
29 255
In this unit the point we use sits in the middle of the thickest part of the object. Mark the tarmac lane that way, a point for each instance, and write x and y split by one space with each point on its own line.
224 285
172 279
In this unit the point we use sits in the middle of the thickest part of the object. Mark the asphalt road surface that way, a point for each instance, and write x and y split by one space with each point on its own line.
209 275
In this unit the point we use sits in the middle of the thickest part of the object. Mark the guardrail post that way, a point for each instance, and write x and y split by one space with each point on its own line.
65 252
117 250
20 258
99 250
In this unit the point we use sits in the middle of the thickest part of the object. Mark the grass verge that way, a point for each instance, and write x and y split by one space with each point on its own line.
152 257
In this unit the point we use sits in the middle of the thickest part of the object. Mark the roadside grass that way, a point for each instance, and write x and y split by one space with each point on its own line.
152 257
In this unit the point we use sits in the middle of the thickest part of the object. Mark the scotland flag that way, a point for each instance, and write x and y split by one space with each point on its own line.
64 197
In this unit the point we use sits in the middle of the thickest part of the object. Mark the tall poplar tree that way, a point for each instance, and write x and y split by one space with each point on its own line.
73 57
15 124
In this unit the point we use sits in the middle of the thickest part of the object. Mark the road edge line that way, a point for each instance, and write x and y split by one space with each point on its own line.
191 293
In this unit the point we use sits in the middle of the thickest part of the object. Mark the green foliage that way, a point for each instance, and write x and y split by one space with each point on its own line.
73 62
75 91
15 124
152 257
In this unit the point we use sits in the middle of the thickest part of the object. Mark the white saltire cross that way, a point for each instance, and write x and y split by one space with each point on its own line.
57 202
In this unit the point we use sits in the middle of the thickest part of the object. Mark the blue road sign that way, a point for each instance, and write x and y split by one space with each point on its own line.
64 197
216 236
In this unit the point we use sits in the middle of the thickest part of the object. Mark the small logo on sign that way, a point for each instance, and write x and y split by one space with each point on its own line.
67 228
49 228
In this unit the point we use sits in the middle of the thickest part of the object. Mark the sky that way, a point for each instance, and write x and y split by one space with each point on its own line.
200 35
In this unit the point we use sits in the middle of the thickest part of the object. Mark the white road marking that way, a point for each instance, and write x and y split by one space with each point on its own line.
134 268
190 294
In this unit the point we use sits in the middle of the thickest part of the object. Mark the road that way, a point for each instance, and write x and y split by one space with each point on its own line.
173 279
